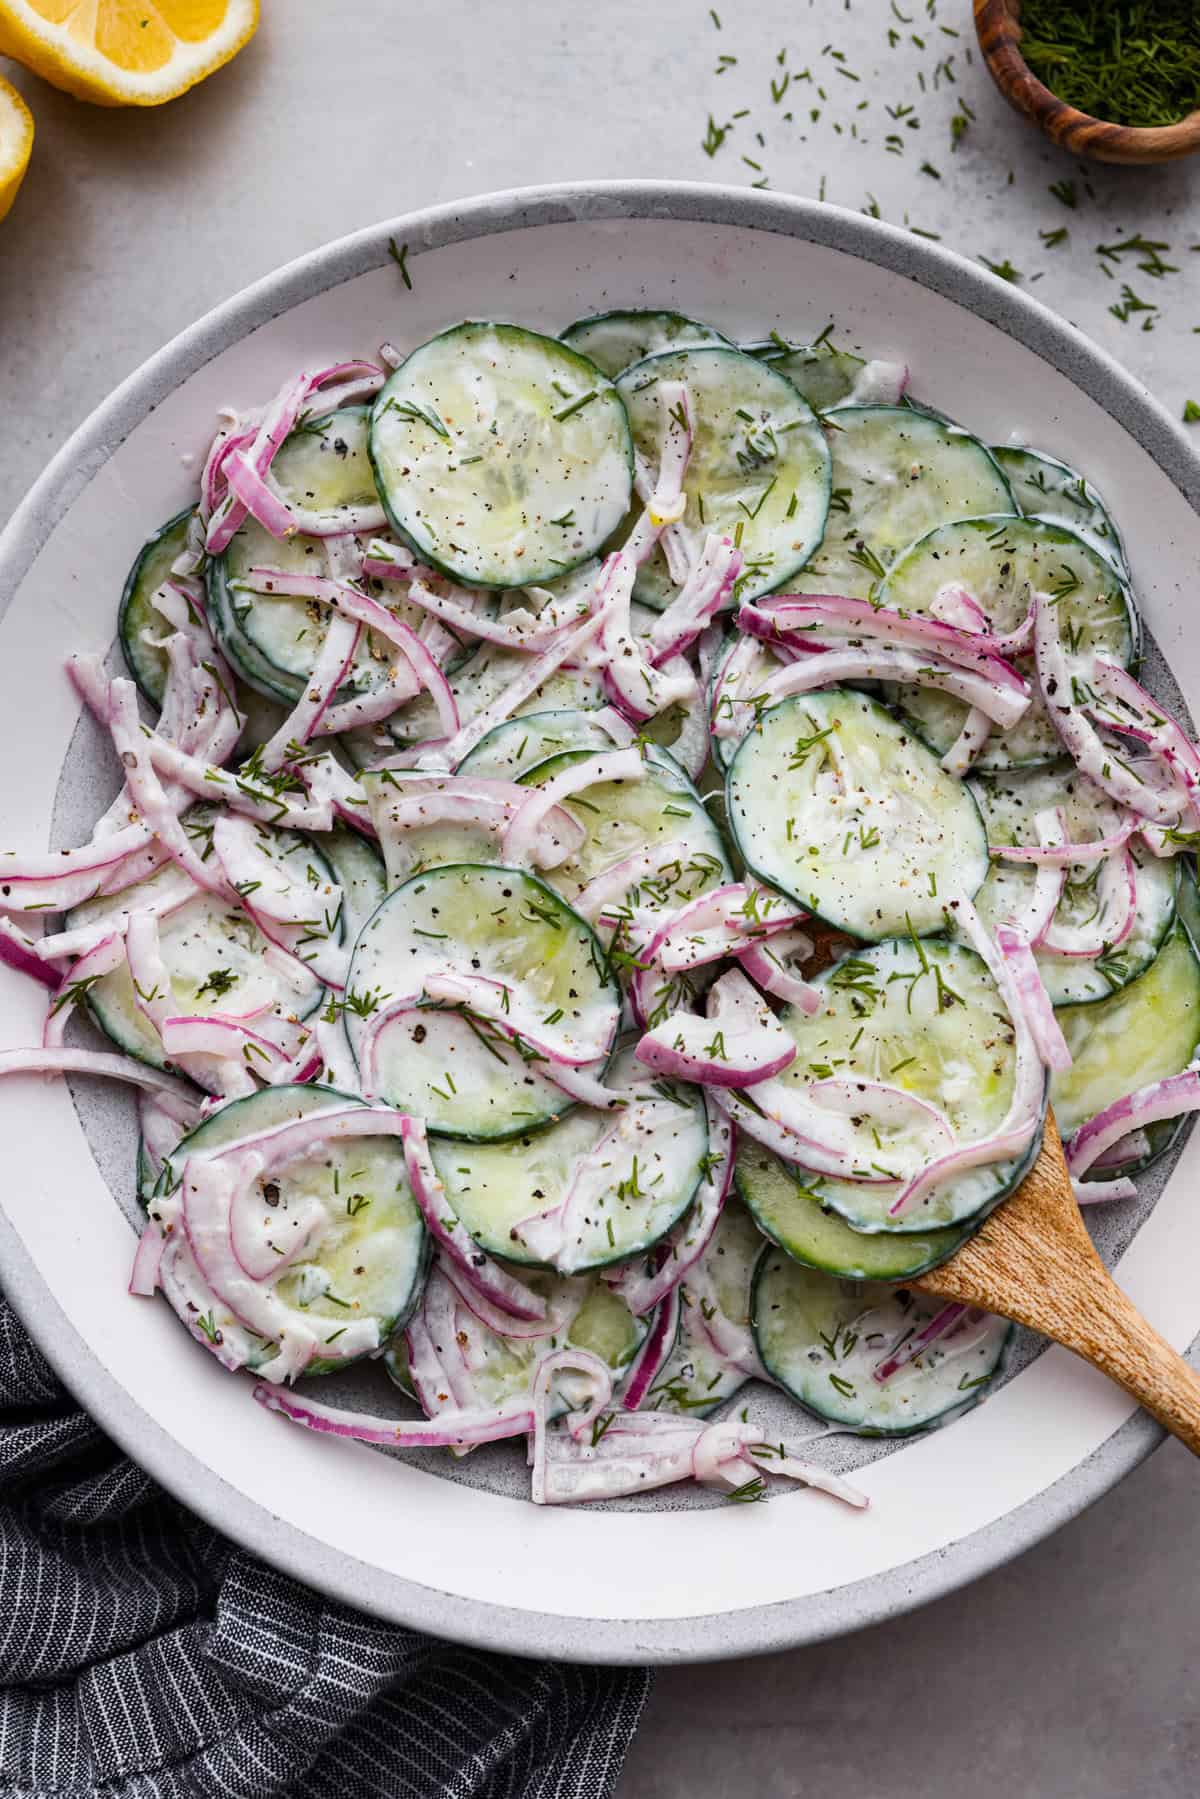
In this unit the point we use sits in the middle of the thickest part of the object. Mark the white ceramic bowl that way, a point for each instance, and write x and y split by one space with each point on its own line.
633 1585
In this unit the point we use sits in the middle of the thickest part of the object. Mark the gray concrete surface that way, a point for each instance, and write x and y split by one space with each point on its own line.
1072 1673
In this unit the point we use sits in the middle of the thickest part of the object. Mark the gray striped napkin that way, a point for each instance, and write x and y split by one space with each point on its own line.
143 1655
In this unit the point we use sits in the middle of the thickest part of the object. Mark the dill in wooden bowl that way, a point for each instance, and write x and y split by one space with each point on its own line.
1135 62
1118 80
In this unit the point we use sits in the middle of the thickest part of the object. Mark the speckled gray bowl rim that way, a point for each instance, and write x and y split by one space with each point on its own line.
761 1628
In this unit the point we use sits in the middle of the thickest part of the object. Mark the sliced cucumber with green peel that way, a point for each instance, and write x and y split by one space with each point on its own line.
1046 488
1144 1033
217 959
822 1339
359 871
482 677
370 1256
614 340
494 1187
233 1122
697 1378
759 467
927 1017
622 818
274 639
834 801
1009 804
509 928
789 1209
230 607
1001 562
1187 897
502 1368
324 465
511 749
824 374
897 474
503 457
139 625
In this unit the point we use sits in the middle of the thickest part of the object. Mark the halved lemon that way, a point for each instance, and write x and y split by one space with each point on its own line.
125 52
16 141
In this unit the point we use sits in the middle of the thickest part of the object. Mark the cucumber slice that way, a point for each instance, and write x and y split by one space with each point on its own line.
926 1017
615 340
482 677
1147 1031
1187 898
1009 805
696 1379
229 605
502 456
503 925
897 474
502 1367
242 1118
759 466
1046 488
324 465
824 374
619 818
999 561
510 750
834 801
790 1209
262 716
138 624
274 639
359 872
493 1187
370 1260
822 1338
216 957
623 817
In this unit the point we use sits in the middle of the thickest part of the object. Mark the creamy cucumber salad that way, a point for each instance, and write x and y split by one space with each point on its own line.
621 838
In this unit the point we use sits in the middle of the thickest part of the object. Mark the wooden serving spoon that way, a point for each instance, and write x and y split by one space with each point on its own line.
1033 1261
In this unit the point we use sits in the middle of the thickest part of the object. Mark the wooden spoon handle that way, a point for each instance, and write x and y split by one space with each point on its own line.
1105 1327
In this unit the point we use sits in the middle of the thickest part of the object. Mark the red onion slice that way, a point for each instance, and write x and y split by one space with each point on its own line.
654 1353
1169 1098
1079 737
915 1342
784 615
498 1287
686 1048
766 963
687 1241
1115 917
170 1093
1047 1032
1000 701
970 743
452 1429
530 819
503 1006
24 955
707 589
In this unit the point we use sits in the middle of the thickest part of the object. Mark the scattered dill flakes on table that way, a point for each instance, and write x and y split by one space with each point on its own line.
1134 62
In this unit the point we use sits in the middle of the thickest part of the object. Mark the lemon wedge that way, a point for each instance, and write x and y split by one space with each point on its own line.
16 141
125 52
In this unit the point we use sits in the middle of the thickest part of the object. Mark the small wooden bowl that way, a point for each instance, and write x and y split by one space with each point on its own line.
998 25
